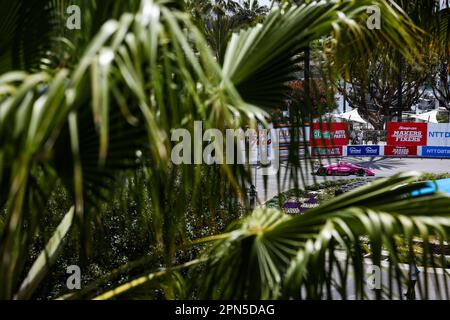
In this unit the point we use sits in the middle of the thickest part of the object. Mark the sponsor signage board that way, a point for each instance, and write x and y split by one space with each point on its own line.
286 136
336 151
301 205
438 135
331 140
437 152
400 151
329 134
363 151
284 153
407 134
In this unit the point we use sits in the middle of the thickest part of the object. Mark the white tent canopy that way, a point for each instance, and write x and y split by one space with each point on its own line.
351 116
429 116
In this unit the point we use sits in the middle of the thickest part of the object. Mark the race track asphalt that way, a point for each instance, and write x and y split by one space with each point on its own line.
383 167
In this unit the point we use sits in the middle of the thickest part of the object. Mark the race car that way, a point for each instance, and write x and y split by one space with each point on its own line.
343 169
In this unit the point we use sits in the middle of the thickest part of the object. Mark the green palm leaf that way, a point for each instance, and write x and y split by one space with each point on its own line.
273 255
113 109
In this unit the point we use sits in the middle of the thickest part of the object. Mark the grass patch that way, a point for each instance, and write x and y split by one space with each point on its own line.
324 189
433 176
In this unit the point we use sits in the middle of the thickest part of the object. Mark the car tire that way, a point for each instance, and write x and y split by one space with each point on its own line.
361 173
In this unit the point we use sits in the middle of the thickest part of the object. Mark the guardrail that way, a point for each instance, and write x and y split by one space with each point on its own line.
403 140
437 152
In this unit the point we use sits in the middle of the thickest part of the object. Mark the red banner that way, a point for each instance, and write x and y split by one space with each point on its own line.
407 134
400 151
327 151
329 134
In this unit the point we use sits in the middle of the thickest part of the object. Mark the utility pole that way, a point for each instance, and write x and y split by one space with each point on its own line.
307 71
307 82
400 90
345 95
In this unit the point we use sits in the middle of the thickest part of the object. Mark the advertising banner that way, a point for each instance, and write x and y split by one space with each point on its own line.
285 132
327 151
329 134
284 153
285 138
437 152
438 134
399 151
407 134
353 151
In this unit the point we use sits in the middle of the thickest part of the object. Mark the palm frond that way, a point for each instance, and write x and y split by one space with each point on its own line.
113 109
46 258
272 255
43 111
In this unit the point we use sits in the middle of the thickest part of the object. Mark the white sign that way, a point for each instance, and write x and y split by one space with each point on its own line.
438 135
285 134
